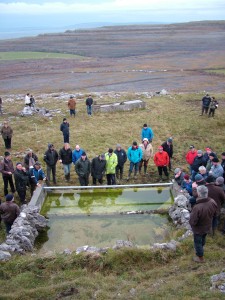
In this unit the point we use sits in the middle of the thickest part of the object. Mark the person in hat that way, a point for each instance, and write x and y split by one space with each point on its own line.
9 212
51 157
65 157
147 133
111 163
7 133
190 156
83 169
198 180
201 221
36 174
216 169
89 103
64 127
168 147
135 155
30 159
206 100
198 161
98 168
147 150
179 176
187 184
7 169
161 160
21 176
72 106
122 158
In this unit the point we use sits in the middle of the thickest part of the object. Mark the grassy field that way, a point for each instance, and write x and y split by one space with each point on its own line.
34 55
217 71
125 274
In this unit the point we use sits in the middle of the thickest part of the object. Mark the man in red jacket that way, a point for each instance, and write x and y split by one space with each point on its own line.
161 160
190 156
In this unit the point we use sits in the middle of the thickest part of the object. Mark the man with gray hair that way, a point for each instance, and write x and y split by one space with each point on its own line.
201 220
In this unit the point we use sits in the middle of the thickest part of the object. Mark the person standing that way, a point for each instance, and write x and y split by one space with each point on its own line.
98 168
198 161
51 158
77 152
32 101
9 212
64 127
111 163
147 132
190 156
30 159
21 177
147 150
122 158
201 220
7 132
223 163
168 147
89 103
27 100
206 100
161 160
216 169
83 169
65 157
35 174
72 106
134 154
212 107
1 113
7 169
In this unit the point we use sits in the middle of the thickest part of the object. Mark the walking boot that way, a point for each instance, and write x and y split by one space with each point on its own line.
128 177
68 177
198 259
160 179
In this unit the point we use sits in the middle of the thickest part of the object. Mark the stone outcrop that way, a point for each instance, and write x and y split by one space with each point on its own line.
24 230
119 106
218 282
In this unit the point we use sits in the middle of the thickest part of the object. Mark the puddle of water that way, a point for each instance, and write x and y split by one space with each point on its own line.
92 217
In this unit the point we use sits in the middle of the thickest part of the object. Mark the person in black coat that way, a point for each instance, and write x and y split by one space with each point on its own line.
21 181
89 103
205 104
65 157
168 147
51 158
122 158
64 127
199 160
98 168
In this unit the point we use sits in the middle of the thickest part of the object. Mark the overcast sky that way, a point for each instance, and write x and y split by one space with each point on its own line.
44 15
174 10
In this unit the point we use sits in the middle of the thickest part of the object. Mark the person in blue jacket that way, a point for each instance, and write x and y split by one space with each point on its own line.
77 152
147 132
134 154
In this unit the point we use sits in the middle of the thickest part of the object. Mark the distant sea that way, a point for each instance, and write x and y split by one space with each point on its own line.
11 27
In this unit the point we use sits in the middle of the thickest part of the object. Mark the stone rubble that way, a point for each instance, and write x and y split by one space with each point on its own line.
218 282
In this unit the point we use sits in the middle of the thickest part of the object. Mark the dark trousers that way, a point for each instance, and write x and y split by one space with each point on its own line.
51 169
205 109
100 180
7 143
119 171
163 169
211 112
22 195
111 179
84 180
66 138
8 227
199 243
8 180
72 112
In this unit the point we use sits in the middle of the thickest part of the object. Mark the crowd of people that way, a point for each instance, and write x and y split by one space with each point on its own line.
203 181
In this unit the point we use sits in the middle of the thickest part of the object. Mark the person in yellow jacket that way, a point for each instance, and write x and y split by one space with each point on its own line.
111 163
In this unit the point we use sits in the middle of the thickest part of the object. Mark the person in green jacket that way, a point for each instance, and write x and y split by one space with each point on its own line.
111 163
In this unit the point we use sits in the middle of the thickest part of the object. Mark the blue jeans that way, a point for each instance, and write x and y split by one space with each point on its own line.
66 169
134 166
199 243
89 110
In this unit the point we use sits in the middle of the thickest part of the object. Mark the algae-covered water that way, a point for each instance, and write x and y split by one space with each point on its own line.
93 217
